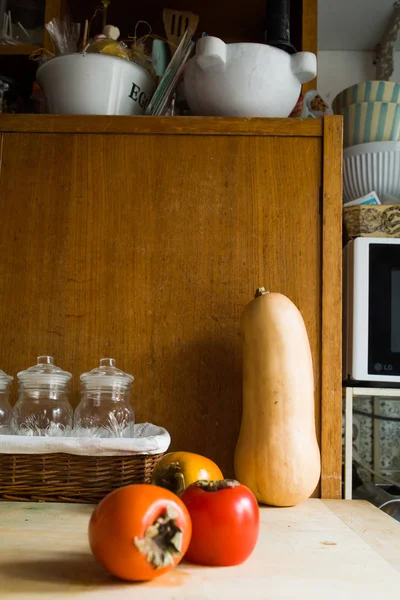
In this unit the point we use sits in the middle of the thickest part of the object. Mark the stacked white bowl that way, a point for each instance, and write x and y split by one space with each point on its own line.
371 161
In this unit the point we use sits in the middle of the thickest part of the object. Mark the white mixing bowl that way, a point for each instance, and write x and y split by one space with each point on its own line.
371 167
95 84
245 80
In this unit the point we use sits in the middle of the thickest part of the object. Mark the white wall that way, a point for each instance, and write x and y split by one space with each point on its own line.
339 69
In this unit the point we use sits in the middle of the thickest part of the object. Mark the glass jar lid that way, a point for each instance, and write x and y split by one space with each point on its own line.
5 380
45 372
107 375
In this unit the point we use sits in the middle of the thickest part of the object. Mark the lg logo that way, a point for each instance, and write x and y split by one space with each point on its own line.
379 367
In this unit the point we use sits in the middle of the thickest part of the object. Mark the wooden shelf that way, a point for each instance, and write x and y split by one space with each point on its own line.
147 125
18 49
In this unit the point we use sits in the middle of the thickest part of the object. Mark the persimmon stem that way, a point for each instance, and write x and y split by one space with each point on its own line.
170 477
162 540
215 486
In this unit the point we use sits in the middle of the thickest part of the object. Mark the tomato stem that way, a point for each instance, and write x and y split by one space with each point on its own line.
162 540
170 477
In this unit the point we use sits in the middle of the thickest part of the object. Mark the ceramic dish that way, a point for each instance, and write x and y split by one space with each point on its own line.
245 80
368 167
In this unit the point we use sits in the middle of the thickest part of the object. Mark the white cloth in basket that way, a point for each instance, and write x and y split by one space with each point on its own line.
149 439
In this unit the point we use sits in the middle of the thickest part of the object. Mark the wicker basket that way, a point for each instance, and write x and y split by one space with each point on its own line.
84 470
68 478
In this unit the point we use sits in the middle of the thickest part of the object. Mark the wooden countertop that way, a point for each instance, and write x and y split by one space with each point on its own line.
322 548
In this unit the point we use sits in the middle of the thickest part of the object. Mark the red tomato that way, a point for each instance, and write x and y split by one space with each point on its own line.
225 522
139 532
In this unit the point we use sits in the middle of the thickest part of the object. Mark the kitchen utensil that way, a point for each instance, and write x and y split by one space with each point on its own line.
64 35
245 80
95 84
160 101
374 166
366 122
176 23
278 25
105 410
106 4
43 407
5 407
159 57
367 91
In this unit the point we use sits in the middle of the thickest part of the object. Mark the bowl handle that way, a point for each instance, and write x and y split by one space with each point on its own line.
210 52
304 66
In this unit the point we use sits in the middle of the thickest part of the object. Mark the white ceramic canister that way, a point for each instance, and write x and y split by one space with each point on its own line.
95 84
245 79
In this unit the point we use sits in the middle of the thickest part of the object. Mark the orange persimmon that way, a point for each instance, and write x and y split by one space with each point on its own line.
139 532
177 470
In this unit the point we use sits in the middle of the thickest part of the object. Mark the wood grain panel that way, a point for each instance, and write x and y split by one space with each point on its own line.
19 49
147 248
161 125
331 405
225 19
230 20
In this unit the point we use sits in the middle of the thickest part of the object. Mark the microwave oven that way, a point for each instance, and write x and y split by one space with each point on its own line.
371 310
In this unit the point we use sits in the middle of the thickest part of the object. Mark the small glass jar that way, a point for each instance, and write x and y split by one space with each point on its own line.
43 406
5 406
105 409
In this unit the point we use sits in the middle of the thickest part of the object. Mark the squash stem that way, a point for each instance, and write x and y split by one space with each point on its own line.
261 291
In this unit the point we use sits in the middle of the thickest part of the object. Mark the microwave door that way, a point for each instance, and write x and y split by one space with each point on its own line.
384 311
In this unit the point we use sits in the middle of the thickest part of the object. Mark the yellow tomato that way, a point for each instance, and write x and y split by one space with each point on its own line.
177 470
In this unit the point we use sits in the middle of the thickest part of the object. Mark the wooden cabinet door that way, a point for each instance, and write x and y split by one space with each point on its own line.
146 248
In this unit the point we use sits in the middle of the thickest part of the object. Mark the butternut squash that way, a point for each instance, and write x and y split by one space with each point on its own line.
277 454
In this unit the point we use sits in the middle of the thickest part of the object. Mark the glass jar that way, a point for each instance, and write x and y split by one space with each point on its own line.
105 409
5 406
43 406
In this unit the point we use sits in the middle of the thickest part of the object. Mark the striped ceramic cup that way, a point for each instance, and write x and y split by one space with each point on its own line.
371 122
368 91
